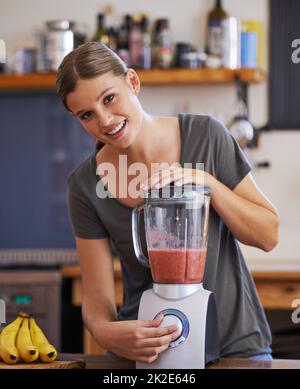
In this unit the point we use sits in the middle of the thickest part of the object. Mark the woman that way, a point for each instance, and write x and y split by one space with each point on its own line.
102 93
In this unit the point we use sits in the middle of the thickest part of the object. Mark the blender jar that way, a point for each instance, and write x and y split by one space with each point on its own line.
176 227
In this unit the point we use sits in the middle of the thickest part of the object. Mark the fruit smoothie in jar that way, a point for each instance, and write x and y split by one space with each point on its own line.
177 266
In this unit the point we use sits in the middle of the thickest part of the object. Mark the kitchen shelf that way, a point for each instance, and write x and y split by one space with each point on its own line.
46 81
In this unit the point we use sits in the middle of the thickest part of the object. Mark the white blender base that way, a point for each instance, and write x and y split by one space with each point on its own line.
189 354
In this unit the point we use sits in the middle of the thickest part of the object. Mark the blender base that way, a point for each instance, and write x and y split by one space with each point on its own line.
199 342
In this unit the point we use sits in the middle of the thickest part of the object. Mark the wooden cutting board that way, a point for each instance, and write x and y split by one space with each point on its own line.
40 365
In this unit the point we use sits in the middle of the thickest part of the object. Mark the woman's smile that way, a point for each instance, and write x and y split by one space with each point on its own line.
118 131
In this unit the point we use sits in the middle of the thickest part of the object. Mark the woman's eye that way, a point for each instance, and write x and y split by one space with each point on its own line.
85 116
109 99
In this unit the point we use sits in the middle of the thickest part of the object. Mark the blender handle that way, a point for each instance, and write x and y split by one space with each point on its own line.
135 224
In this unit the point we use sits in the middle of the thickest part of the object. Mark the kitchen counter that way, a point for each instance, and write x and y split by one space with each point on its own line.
277 286
277 289
112 362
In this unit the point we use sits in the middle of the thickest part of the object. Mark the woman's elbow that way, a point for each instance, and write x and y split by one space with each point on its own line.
273 237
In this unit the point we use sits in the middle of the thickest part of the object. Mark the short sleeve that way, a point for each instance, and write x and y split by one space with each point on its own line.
84 220
231 164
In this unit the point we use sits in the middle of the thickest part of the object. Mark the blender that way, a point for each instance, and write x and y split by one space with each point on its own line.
176 228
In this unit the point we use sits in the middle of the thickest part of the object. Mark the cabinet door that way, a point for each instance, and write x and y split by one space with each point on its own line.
40 145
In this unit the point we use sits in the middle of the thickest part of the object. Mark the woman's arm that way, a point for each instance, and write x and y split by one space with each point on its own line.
96 265
246 211
133 339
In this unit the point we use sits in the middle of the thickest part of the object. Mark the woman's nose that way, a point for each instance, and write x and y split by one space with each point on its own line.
105 119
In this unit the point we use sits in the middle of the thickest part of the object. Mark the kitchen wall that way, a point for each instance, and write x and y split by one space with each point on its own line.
281 183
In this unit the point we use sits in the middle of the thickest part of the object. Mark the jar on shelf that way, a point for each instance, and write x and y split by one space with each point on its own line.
190 60
59 41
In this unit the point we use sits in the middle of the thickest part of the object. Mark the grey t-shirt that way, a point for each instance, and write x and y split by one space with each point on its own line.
243 328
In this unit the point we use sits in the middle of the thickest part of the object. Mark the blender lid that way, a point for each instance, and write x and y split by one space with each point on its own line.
183 192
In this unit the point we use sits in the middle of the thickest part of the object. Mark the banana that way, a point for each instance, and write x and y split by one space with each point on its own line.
1 359
0 348
28 352
47 352
8 350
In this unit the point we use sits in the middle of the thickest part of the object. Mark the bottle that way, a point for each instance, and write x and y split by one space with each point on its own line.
181 49
100 33
232 43
146 43
112 38
251 44
110 25
162 48
215 32
123 39
135 43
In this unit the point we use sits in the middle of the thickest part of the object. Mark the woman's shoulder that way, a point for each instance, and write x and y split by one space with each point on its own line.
198 125
83 172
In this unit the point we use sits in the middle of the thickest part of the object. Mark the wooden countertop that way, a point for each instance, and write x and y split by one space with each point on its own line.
74 271
112 362
259 274
278 288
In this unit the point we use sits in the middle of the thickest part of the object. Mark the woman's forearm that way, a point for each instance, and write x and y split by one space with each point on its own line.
250 223
95 316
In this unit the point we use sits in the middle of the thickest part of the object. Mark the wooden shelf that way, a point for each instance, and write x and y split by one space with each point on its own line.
46 81
199 76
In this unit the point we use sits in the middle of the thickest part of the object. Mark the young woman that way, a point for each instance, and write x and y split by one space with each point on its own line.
102 93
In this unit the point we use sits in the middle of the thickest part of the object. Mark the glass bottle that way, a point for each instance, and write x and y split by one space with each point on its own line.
100 33
123 39
146 43
215 30
162 45
135 43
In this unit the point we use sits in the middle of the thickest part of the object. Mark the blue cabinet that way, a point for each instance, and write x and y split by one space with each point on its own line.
40 144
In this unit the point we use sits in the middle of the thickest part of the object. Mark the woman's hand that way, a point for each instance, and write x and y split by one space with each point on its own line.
178 175
138 340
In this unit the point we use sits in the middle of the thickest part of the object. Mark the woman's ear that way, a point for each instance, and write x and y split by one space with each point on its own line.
133 81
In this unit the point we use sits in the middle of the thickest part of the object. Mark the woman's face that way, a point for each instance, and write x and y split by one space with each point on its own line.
108 108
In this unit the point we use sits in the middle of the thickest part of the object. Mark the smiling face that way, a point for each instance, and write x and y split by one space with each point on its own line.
108 108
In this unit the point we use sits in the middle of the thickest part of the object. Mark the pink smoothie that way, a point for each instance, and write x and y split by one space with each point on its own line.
177 266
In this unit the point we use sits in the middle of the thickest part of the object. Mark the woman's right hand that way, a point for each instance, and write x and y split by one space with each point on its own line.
138 340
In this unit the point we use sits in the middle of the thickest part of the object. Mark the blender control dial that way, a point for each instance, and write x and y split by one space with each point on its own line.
177 318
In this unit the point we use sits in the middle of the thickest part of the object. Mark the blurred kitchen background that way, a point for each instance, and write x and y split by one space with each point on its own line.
192 57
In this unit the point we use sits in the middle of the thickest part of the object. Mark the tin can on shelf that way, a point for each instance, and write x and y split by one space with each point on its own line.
59 41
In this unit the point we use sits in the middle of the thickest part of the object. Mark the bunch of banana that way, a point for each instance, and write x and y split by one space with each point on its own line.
23 339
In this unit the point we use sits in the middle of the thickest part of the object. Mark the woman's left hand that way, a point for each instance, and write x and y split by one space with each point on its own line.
177 175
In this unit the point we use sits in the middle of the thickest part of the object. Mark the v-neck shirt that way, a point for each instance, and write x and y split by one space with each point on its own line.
243 327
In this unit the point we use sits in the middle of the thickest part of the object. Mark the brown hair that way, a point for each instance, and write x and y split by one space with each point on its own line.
87 61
